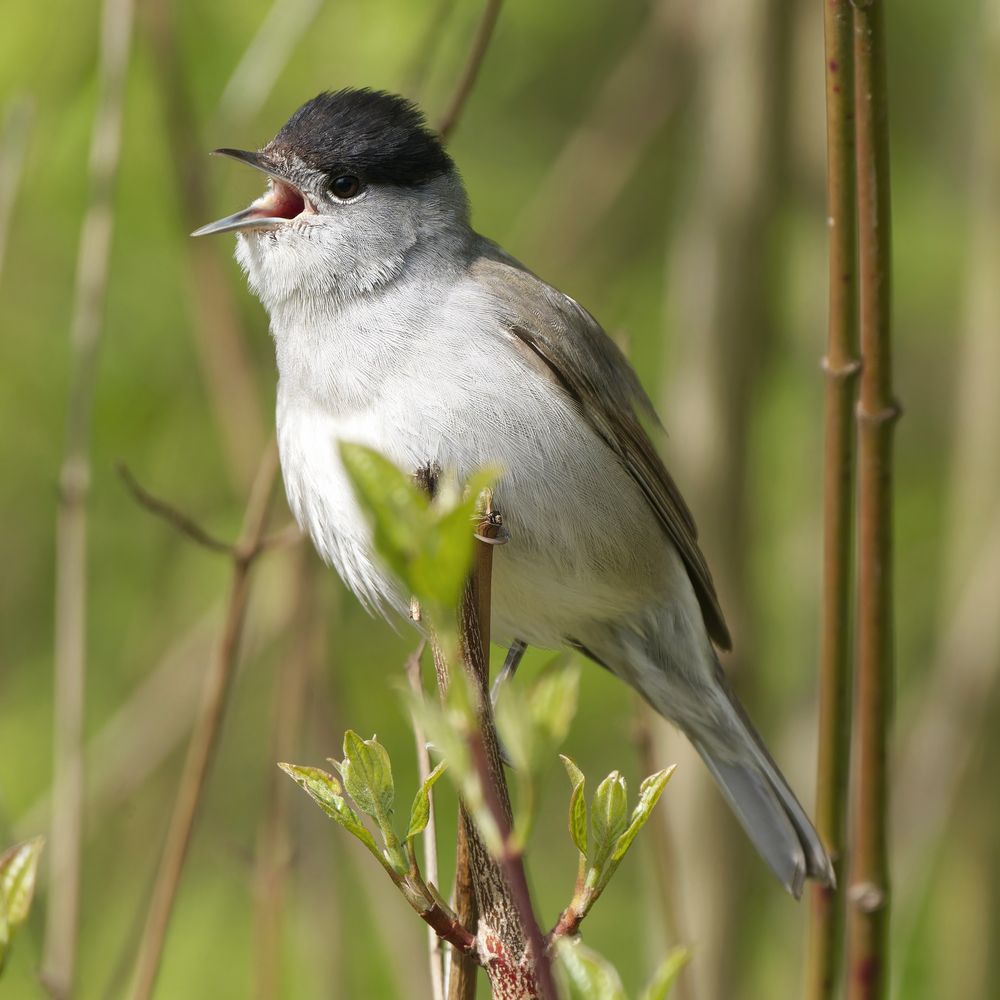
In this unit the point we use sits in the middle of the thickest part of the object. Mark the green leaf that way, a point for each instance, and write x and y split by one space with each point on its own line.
577 805
666 975
586 974
325 791
553 701
18 869
367 775
442 563
514 725
607 818
448 728
398 509
427 544
533 722
420 811
649 792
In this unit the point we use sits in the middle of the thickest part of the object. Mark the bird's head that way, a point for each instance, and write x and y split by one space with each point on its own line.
357 183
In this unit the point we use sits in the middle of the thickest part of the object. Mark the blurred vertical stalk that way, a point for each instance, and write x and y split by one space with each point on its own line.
205 735
951 724
93 262
868 894
840 366
13 149
273 850
719 269
219 337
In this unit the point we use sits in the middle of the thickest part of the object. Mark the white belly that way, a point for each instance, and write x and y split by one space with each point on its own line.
584 546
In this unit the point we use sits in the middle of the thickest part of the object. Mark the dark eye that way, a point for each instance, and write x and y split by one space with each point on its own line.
346 186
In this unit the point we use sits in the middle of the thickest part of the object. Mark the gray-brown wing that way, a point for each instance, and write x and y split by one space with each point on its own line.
564 341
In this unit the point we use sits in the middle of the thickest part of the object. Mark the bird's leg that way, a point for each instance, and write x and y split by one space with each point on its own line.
510 665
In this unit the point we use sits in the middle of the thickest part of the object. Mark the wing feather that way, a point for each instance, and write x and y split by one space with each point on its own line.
562 339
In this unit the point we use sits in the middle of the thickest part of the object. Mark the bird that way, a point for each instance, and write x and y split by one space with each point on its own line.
397 326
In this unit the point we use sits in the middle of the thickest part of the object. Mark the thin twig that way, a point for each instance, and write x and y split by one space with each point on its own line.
168 512
868 895
435 950
473 64
205 736
13 148
59 958
841 367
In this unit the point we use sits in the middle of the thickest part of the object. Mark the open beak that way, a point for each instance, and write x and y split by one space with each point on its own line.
281 202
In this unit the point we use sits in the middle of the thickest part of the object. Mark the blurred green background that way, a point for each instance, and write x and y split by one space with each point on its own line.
662 162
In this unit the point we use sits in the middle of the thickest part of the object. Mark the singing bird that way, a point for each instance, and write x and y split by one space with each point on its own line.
397 325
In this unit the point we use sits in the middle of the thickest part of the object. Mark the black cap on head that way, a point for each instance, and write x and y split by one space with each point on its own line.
381 136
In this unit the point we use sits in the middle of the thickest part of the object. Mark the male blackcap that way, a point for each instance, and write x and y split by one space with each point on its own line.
396 325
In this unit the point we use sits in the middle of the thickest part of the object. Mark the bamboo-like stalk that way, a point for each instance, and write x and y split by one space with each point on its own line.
205 736
840 366
868 895
59 957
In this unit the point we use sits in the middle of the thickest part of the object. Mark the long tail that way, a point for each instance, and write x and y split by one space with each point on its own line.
761 797
708 712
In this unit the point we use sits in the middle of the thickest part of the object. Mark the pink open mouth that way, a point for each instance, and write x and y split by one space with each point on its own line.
281 201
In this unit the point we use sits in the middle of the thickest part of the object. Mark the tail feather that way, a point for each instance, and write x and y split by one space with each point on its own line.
672 666
772 818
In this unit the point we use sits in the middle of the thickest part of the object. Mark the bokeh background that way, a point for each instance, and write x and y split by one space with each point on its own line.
663 162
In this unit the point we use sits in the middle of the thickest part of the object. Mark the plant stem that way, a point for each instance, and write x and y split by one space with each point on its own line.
840 366
219 338
464 969
59 957
877 412
204 738
272 855
506 912
435 951
473 64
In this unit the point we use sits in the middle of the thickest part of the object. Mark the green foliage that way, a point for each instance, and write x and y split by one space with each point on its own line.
533 721
426 543
587 975
420 811
607 818
666 975
366 771
324 789
577 805
367 775
18 868
612 830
